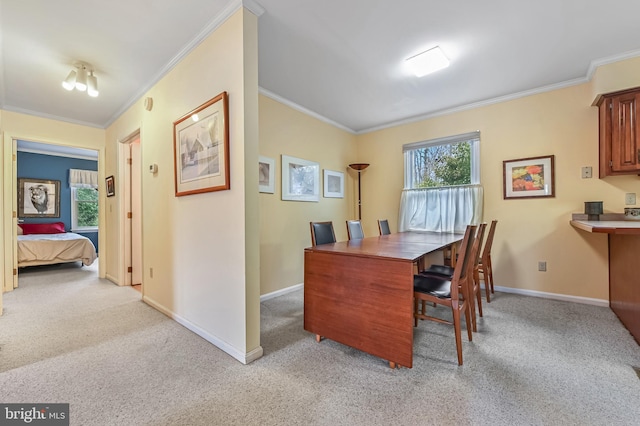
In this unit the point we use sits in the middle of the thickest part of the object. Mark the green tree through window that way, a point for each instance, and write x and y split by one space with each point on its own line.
87 207
442 165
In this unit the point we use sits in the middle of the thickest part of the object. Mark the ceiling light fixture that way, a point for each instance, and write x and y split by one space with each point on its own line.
81 78
428 61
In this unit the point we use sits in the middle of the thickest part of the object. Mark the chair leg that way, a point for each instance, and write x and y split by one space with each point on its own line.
415 312
469 321
487 286
490 272
456 327
479 298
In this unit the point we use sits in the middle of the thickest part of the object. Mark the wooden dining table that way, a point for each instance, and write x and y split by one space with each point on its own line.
360 292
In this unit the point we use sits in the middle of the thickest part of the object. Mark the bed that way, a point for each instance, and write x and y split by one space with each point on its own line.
48 243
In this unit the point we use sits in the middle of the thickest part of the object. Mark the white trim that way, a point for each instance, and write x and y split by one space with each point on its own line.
304 110
281 292
60 154
555 296
243 357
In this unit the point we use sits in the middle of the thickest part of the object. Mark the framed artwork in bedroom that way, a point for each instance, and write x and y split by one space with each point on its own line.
38 198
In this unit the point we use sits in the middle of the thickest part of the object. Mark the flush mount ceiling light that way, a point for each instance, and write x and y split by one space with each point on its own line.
81 78
427 62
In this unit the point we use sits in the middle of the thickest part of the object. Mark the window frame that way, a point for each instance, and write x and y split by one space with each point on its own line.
410 148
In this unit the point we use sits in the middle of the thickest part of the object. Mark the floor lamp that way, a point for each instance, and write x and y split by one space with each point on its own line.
359 167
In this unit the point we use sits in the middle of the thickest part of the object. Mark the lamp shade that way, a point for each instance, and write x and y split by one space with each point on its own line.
69 83
92 85
81 79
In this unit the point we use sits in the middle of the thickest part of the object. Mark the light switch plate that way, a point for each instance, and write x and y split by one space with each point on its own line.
630 198
587 172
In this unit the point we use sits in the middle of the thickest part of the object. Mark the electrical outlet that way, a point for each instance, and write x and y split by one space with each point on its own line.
630 198
542 266
587 172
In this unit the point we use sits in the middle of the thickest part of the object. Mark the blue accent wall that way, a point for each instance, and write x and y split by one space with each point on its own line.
51 167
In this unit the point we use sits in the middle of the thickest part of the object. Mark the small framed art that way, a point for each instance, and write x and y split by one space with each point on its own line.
300 179
111 186
532 177
266 174
333 184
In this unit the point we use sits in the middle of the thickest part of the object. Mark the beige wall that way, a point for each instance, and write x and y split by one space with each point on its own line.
204 273
562 123
284 225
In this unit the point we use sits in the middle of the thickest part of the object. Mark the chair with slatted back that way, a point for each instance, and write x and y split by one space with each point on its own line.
322 233
354 230
484 266
474 290
453 292
383 227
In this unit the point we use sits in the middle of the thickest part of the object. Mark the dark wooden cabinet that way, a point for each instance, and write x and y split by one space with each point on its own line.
619 132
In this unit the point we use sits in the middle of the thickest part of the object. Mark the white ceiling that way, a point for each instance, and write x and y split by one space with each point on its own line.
341 60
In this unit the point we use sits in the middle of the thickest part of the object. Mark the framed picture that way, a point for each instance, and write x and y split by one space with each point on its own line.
266 174
111 186
201 148
333 184
38 198
300 179
532 177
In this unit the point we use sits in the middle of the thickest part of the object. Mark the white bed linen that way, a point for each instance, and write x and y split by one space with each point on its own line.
45 249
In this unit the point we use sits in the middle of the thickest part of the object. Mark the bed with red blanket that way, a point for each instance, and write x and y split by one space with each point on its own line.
48 243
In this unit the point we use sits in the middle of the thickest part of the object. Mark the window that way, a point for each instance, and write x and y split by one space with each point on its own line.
449 161
84 209
442 184
84 200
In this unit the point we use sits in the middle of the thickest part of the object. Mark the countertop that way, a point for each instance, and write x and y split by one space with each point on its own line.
608 226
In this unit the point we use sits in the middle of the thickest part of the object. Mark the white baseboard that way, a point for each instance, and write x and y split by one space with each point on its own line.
554 296
244 358
281 292
112 279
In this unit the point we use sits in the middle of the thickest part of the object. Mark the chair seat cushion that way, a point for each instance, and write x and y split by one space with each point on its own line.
435 285
440 270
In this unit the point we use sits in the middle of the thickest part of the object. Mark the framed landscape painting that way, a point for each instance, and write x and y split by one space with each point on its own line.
201 148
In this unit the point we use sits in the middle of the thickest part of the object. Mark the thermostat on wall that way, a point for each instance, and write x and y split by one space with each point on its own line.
153 168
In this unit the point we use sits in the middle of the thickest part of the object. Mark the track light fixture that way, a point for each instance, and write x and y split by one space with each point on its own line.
81 78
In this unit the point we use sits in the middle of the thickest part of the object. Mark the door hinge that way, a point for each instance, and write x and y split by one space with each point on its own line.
14 157
129 161
129 215
129 269
15 271
15 214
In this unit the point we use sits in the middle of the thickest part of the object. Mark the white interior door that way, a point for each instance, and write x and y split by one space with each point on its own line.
136 213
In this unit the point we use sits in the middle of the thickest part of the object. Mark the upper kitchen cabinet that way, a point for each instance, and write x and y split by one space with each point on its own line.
619 132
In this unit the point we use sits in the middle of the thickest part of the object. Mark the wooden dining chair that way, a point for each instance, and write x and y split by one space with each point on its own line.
474 284
383 227
484 266
322 233
453 292
354 230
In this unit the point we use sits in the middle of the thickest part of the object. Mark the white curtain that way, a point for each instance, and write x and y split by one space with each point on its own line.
83 178
448 209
